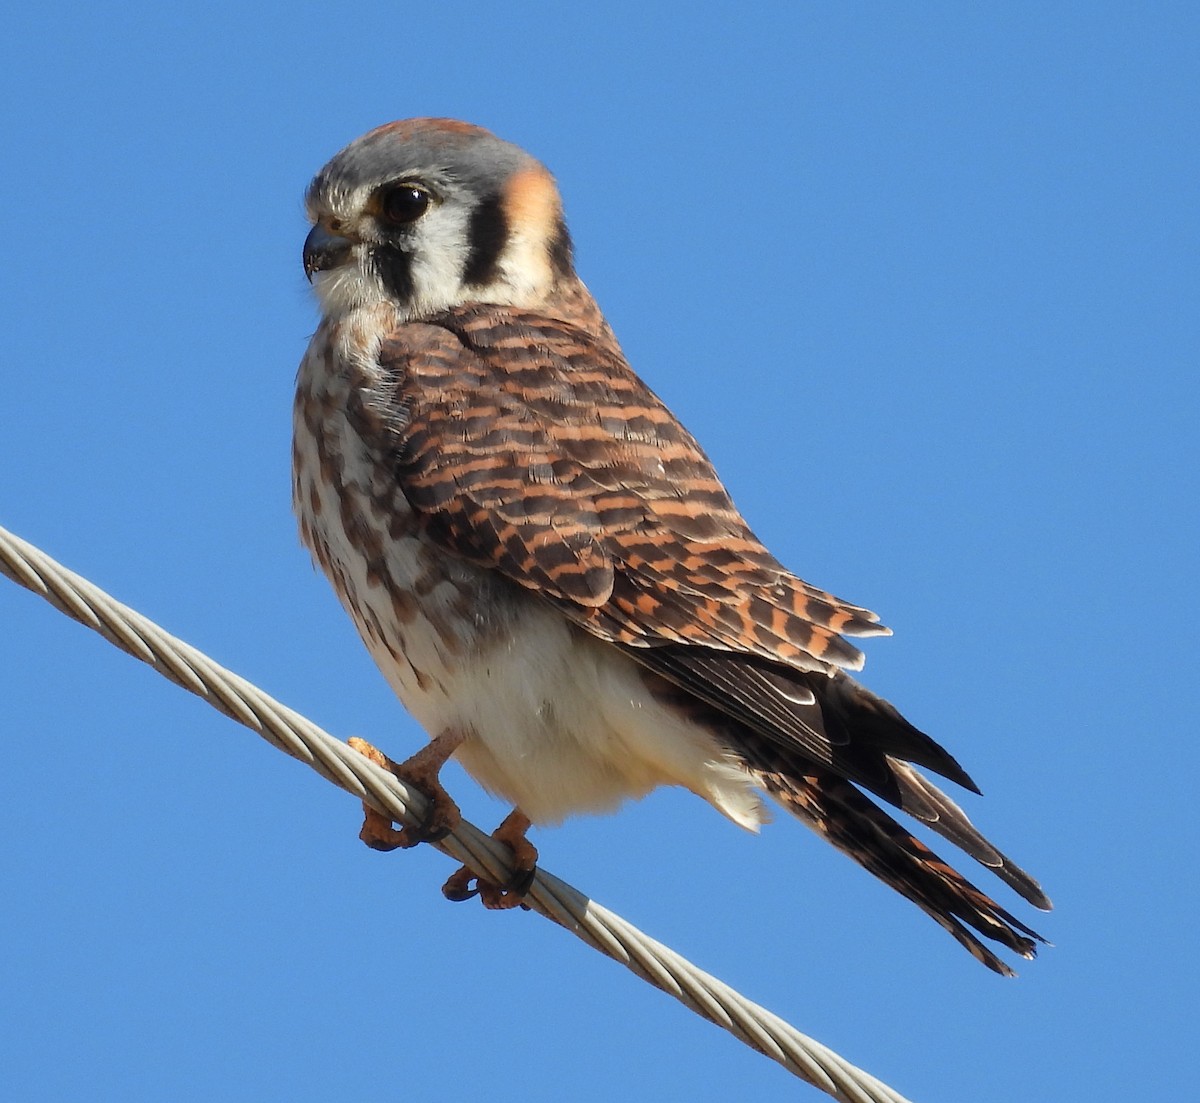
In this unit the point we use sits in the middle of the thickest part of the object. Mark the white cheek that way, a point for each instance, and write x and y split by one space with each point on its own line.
439 259
525 267
341 290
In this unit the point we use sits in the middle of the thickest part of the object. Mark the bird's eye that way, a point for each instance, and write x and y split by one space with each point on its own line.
403 204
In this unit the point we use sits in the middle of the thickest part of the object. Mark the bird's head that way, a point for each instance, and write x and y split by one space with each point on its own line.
428 214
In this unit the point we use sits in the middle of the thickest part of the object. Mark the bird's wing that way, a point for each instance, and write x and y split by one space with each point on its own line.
528 445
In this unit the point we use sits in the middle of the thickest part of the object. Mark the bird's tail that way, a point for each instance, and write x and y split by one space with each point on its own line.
853 823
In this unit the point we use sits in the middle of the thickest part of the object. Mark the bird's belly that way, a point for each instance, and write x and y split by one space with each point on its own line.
555 722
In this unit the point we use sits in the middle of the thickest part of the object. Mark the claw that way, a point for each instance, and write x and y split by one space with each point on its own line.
512 893
421 772
458 886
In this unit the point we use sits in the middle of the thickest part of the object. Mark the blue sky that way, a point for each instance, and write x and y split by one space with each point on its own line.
922 279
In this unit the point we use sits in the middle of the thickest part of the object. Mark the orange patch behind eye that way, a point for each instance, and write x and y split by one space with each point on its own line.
531 201
533 210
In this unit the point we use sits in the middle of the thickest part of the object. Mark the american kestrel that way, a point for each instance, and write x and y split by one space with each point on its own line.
542 560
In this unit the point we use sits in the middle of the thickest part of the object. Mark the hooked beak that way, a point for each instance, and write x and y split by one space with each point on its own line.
323 250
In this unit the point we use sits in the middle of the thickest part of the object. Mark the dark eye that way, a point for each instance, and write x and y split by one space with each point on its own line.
403 203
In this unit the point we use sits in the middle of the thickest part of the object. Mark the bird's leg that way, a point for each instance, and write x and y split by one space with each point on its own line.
509 895
421 772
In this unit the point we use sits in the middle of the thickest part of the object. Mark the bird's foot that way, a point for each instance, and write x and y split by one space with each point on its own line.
421 772
512 893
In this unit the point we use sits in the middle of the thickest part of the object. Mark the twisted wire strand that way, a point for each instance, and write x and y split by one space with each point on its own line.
337 762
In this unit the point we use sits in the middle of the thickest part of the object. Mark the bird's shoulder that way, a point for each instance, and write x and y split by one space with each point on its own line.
551 409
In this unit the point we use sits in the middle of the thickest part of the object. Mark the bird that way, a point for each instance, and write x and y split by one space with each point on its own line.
544 563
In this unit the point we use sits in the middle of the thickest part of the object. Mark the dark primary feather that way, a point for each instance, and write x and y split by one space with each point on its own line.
833 808
529 446
830 718
924 801
803 732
